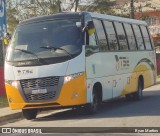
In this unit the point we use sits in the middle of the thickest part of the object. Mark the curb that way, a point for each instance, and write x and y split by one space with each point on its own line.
11 118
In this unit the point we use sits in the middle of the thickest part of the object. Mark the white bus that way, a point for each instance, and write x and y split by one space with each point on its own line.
77 59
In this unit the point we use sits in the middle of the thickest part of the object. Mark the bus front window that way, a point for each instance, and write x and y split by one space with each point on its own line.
57 41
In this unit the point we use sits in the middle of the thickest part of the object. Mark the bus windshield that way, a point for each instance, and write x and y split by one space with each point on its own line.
58 40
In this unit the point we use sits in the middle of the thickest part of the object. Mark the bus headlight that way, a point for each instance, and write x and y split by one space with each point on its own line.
12 83
71 77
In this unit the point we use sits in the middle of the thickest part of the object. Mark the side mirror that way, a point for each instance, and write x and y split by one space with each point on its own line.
5 41
89 27
6 38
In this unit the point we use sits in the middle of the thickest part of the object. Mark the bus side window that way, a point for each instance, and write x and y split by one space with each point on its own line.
121 36
101 35
92 40
138 37
91 44
130 36
146 38
113 44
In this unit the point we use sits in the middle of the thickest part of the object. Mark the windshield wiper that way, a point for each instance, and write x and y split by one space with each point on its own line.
29 52
56 48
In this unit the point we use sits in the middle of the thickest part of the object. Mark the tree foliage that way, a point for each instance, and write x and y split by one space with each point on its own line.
19 10
11 16
100 6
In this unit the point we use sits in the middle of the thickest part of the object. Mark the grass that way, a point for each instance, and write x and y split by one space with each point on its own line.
3 101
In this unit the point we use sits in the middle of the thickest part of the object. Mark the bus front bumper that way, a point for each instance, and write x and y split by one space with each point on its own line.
72 93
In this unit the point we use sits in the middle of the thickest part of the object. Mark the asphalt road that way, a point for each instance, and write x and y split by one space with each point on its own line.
117 113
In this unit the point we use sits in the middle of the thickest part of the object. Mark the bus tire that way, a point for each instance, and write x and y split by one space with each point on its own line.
139 94
93 106
30 114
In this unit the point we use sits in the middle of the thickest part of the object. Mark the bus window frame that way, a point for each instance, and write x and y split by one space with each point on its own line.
96 35
128 49
152 46
148 37
111 21
142 37
87 39
126 36
134 37
108 45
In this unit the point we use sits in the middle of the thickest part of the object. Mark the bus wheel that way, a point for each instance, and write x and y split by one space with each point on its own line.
139 94
29 114
93 106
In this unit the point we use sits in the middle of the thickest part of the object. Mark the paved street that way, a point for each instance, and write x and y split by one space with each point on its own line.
117 113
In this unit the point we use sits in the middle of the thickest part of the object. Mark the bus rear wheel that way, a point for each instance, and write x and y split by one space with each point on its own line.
30 114
139 94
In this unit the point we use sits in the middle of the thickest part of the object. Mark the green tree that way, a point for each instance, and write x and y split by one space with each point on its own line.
19 10
12 21
100 6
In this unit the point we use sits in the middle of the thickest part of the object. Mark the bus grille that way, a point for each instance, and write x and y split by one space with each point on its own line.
40 82
39 97
49 83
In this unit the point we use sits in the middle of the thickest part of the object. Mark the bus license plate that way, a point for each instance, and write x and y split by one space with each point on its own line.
39 91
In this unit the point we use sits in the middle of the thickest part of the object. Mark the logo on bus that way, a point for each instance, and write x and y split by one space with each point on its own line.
122 63
24 72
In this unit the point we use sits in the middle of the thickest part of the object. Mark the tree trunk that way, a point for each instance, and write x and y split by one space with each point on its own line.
76 5
59 6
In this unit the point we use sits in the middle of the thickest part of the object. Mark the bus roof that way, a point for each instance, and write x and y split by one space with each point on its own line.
79 14
51 17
